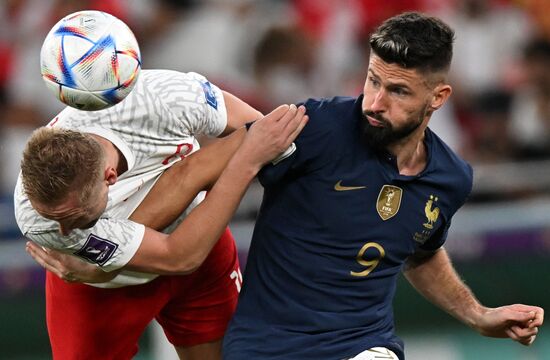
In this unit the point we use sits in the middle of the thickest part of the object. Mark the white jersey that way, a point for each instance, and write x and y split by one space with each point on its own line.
154 127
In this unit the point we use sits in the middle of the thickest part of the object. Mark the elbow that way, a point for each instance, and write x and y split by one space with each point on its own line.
181 172
195 176
183 265
189 267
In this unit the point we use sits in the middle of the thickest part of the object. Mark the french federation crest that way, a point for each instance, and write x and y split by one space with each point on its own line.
431 211
389 201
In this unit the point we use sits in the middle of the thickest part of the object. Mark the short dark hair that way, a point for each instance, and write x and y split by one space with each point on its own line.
414 41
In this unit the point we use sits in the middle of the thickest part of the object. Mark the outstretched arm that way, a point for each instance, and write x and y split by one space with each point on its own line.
238 113
187 247
180 183
189 244
184 180
433 275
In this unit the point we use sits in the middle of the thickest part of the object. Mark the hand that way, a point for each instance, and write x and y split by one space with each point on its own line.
67 267
518 322
273 134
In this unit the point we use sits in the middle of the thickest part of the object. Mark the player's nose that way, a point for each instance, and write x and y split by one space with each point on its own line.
378 103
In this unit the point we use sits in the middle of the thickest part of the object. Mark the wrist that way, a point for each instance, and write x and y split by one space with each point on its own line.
473 318
244 163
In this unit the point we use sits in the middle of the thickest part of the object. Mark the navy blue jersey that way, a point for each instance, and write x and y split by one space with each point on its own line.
336 224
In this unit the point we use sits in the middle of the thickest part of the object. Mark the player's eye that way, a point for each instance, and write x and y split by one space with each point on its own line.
373 81
399 91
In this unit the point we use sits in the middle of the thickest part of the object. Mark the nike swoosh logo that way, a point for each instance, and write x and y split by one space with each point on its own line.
340 187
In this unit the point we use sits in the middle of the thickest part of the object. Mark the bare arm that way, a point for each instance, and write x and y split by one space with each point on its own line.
181 183
238 113
184 180
199 171
433 275
185 249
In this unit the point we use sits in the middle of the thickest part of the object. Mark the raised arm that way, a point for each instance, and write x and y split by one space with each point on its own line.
185 249
238 113
433 275
199 171
184 180
181 183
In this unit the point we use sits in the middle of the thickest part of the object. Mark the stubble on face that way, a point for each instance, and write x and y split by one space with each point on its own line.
384 135
397 101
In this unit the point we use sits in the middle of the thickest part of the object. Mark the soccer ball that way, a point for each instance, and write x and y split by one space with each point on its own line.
90 60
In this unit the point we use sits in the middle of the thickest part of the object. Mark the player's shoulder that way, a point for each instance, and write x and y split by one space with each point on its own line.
452 168
170 87
329 106
447 157
329 131
334 115
166 76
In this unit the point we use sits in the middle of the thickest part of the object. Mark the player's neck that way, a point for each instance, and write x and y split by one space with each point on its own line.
113 156
411 154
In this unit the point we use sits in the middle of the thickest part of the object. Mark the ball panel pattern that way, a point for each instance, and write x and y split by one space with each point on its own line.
90 60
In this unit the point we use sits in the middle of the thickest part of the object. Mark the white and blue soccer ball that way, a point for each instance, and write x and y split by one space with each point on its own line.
90 60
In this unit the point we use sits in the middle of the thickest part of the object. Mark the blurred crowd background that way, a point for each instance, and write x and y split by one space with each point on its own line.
270 52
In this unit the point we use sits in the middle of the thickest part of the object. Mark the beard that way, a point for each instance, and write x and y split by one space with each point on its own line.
381 137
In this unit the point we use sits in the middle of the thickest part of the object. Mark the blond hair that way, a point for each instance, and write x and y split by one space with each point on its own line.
59 161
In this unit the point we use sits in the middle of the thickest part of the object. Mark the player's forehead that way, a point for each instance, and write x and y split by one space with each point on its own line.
68 209
394 74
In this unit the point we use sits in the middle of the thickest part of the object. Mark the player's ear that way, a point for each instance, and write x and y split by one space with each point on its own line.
111 175
440 95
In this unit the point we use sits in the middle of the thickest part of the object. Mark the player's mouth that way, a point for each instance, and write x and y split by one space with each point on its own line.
374 122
